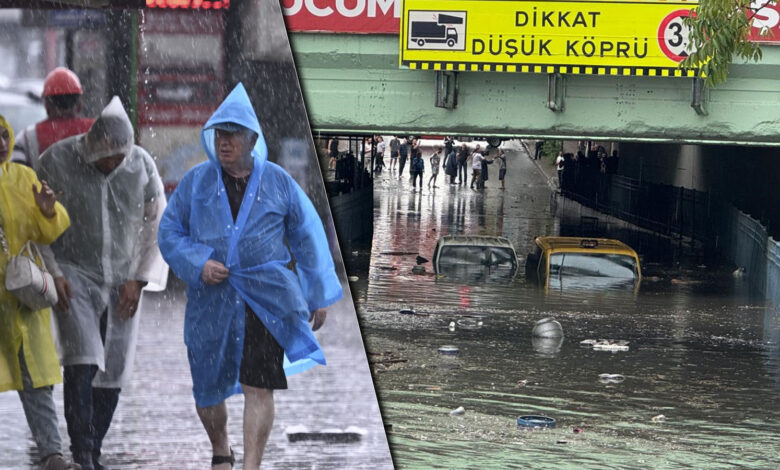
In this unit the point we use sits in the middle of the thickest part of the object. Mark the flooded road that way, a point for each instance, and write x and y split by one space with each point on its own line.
701 376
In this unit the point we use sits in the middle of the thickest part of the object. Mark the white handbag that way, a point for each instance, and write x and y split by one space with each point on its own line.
28 282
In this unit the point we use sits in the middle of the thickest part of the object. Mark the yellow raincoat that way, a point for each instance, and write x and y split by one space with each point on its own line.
22 220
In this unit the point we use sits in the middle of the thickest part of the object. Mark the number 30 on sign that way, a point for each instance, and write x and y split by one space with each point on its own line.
674 36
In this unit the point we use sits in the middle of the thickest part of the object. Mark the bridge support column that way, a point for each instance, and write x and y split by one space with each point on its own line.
446 90
697 96
556 88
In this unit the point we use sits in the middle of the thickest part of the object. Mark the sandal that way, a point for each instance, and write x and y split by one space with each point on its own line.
220 459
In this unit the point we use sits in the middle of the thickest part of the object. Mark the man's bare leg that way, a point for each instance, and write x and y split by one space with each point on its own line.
258 419
214 419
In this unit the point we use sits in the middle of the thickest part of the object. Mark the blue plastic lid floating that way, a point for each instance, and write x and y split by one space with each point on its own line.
531 421
449 350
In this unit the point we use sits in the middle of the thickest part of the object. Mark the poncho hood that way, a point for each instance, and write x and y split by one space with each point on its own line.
7 126
236 108
111 133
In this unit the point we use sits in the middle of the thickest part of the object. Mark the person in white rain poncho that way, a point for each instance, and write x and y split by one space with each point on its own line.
114 195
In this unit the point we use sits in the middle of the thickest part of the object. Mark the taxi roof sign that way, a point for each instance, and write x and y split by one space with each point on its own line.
600 37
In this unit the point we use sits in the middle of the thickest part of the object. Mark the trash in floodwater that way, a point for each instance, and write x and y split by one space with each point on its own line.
548 328
337 436
739 272
611 378
532 421
418 269
658 419
353 278
459 411
561 441
469 324
411 311
610 347
547 346
577 430
451 326
522 383
606 344
449 350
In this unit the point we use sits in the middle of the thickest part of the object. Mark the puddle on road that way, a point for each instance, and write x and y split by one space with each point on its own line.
701 352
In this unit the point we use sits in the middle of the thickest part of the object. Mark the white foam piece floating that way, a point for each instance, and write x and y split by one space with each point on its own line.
610 347
459 411
611 378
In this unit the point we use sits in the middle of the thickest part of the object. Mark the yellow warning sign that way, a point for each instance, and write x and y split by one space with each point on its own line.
601 37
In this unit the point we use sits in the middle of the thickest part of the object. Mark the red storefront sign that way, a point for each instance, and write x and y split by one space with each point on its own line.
343 16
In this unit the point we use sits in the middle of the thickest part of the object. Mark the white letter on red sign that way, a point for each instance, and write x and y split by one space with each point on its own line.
342 8
385 6
317 11
766 16
294 9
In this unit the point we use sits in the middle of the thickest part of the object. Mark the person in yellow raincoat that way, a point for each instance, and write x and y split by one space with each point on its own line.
28 361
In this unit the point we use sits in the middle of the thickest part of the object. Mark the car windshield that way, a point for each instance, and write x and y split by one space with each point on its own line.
589 270
477 262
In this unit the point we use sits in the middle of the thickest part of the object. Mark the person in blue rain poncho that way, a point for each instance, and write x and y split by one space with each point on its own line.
228 232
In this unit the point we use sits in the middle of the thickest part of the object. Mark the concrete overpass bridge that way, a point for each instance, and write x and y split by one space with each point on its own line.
353 83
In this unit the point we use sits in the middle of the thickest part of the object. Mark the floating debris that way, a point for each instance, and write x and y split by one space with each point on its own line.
449 350
418 269
469 324
611 378
577 431
459 411
739 272
532 421
610 347
606 344
451 326
658 419
522 383
547 328
353 278
408 311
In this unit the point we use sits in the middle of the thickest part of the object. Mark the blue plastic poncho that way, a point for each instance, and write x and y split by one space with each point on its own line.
198 226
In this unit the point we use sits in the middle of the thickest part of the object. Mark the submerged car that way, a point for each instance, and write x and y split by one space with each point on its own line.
475 257
585 263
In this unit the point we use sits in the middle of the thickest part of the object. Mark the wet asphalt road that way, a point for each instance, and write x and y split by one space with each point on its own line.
155 425
701 376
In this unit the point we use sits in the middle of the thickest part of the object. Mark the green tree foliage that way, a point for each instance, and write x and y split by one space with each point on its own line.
718 33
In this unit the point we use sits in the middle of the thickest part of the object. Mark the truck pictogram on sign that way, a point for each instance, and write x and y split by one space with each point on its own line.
437 30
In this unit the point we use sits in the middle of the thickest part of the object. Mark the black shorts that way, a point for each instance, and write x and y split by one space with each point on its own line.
262 359
501 173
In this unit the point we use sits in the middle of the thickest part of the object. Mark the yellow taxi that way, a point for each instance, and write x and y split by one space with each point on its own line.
583 263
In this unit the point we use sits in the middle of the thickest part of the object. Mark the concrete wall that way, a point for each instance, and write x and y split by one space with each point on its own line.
353 83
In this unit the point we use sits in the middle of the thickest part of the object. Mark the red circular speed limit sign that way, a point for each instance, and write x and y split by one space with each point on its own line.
673 35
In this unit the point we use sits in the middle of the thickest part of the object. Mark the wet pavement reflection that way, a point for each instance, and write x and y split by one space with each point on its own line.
156 427
701 375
